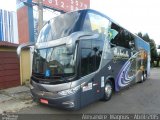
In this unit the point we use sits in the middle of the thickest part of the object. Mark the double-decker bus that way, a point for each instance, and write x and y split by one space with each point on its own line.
83 56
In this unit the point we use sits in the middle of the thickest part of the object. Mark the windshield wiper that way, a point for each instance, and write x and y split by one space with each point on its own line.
39 75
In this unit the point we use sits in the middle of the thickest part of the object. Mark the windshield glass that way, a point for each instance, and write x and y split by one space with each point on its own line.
53 62
60 26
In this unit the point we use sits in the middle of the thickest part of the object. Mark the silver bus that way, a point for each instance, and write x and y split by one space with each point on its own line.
84 56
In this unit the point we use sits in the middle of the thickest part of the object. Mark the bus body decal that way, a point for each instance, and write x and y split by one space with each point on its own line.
123 79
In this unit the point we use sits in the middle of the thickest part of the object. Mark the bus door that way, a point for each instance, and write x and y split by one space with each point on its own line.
86 73
90 57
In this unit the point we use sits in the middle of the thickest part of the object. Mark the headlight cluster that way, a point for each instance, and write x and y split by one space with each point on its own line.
69 91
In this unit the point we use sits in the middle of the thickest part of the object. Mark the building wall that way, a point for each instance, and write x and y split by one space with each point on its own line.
25 22
19 66
9 68
25 66
23 25
26 35
7 49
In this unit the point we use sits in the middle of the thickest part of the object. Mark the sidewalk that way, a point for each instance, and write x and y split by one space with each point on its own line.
14 99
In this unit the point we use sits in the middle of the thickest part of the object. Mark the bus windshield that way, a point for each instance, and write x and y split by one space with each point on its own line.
53 62
60 26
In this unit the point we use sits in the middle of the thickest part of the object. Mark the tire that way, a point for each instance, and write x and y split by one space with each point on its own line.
108 91
145 76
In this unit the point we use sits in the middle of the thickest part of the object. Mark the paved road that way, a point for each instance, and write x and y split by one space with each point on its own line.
139 98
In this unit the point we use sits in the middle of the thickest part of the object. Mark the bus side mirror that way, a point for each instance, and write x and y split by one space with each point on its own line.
20 47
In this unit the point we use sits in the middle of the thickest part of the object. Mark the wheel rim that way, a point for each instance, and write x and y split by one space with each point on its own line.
108 90
142 77
145 75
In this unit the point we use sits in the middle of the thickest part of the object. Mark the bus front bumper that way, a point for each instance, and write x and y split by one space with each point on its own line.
70 102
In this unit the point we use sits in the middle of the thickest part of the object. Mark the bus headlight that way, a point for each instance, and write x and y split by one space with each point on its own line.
69 91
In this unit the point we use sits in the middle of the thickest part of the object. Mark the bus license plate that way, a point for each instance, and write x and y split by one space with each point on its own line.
44 101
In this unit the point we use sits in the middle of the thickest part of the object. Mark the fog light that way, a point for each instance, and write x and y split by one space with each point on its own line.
69 103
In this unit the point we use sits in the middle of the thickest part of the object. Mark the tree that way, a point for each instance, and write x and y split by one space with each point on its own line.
140 34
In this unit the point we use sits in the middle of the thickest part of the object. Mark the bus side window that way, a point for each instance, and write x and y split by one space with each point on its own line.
86 52
91 53
123 38
87 63
132 42
97 46
96 23
87 24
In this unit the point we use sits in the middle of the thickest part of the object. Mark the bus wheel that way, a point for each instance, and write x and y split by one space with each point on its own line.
108 90
142 78
145 75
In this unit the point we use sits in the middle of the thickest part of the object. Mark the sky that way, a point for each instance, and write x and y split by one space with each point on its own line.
8 5
134 15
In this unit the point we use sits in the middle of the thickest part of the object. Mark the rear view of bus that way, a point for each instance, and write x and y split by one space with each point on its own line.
83 56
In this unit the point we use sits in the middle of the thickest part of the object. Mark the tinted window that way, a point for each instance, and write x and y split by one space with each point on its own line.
60 26
123 38
97 47
91 52
87 61
86 44
96 23
56 60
